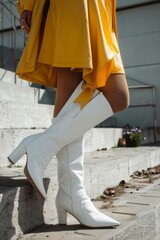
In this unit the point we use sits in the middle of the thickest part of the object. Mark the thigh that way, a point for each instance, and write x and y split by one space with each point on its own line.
116 92
67 81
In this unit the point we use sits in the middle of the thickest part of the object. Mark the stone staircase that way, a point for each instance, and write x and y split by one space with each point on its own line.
25 110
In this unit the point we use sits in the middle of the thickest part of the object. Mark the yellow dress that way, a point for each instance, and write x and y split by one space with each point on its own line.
78 34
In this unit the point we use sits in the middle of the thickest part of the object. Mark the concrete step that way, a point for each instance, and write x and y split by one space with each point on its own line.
21 209
24 94
20 115
138 214
96 138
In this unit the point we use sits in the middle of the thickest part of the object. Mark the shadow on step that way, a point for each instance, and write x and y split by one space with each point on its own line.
21 208
58 228
7 230
49 228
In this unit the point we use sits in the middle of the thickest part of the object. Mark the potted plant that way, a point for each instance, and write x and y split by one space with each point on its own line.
133 137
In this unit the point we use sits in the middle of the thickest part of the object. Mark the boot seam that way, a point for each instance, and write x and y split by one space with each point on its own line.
69 177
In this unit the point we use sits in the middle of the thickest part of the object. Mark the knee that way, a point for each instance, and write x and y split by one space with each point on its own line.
124 102
121 104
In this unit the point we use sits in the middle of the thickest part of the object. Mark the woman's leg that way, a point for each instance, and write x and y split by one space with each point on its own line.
116 92
70 168
67 81
73 125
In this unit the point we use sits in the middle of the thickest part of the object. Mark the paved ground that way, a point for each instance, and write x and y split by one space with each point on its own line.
132 205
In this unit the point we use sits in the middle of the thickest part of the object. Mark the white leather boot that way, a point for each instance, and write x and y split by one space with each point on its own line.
20 150
71 195
73 125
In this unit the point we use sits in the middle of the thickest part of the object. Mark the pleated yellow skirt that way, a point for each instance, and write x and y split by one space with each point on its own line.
78 34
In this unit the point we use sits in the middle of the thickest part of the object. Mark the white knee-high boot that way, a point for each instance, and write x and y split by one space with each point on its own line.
17 153
73 125
71 195
20 150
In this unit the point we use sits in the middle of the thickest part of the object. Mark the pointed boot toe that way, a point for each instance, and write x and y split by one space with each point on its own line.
105 221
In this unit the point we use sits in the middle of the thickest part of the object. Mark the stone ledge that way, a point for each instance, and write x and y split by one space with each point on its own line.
24 94
21 208
20 115
94 139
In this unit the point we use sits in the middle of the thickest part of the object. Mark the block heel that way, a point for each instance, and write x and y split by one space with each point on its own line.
62 216
19 152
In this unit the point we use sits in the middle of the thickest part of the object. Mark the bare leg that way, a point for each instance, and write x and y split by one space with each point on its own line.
67 81
116 92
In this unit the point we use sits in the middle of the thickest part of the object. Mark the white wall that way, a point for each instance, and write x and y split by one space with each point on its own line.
139 39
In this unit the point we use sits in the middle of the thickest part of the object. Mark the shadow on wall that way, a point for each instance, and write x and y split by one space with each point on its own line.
48 96
9 58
